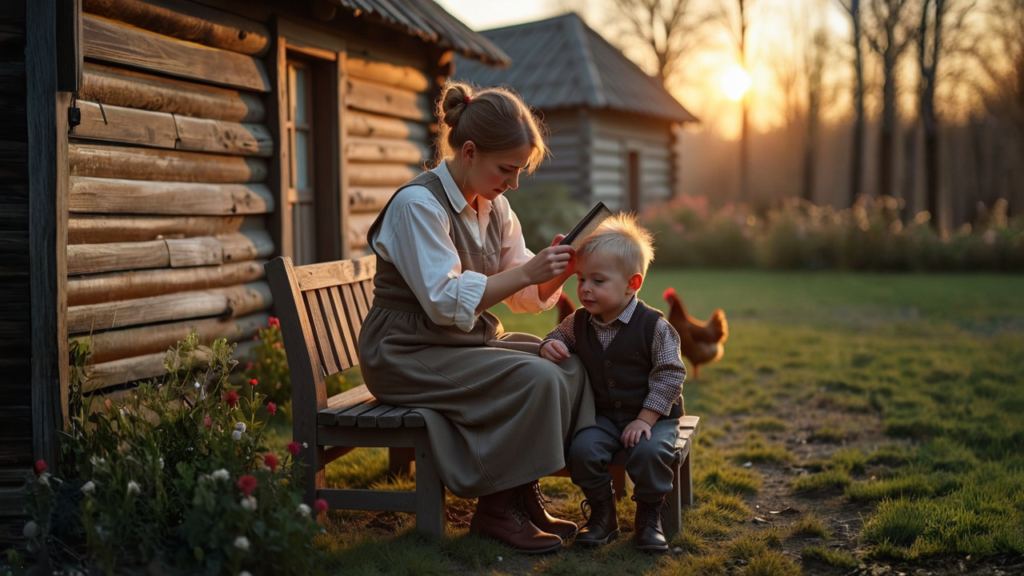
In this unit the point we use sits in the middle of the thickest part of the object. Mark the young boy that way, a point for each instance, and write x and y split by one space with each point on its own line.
631 355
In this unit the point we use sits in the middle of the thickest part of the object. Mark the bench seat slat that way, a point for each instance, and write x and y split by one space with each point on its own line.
413 419
393 419
350 417
369 419
341 402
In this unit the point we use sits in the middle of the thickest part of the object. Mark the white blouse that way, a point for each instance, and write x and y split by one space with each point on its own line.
414 236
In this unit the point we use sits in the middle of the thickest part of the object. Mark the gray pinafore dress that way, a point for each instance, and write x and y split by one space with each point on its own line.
498 414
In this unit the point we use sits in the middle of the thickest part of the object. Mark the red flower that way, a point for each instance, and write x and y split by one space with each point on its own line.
271 461
294 448
247 484
271 408
40 467
248 366
207 421
273 323
321 505
231 398
254 382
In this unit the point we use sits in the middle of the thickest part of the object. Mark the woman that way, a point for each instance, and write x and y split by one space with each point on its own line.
449 247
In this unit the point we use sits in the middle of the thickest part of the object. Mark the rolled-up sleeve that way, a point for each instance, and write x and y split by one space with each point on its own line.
515 253
414 237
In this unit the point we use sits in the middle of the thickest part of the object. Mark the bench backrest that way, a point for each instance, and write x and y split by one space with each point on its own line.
321 308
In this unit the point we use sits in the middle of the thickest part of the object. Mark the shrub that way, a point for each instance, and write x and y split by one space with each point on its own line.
175 472
544 211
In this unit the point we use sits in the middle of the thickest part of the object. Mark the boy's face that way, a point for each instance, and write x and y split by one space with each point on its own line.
603 288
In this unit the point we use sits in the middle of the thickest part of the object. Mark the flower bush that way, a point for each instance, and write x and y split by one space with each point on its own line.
870 235
174 473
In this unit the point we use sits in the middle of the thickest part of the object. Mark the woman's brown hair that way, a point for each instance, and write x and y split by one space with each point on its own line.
496 119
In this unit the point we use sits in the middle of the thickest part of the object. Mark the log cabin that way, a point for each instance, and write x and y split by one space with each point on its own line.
612 125
155 153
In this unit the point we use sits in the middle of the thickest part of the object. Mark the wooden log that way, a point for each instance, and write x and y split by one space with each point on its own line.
380 175
187 21
233 301
358 226
387 100
188 252
118 124
97 229
118 196
247 245
369 199
386 150
110 41
88 258
388 73
371 125
167 165
205 135
120 344
119 87
143 283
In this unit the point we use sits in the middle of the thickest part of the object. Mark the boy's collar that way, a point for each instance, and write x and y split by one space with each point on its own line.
625 316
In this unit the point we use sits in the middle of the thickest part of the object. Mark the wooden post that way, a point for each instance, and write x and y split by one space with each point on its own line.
48 198
280 223
343 195
69 45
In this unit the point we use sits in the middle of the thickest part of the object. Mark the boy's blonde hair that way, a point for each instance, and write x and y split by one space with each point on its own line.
621 237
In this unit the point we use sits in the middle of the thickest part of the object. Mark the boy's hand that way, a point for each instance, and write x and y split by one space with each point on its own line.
634 430
555 351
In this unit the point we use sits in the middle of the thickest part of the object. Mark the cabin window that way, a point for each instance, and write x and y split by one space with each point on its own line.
633 180
301 181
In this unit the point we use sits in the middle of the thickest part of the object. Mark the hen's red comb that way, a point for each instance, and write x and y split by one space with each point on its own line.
670 293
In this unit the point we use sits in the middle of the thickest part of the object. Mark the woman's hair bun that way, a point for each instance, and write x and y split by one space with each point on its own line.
453 103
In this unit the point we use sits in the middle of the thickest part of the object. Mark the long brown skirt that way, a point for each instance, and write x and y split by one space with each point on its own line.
498 415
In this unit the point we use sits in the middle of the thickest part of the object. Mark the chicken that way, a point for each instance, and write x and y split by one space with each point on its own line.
700 342
565 307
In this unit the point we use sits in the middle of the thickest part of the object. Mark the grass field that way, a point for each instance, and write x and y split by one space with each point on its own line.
857 423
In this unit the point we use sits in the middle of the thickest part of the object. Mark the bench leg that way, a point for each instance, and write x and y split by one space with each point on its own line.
686 481
429 490
618 480
400 461
673 514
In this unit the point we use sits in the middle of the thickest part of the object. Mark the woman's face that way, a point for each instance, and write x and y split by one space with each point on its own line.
490 175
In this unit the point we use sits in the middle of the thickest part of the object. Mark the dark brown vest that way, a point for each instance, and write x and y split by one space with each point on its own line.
620 373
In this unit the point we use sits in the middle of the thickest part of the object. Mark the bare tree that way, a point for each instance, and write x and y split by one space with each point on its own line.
1002 62
816 58
669 29
736 23
890 35
852 8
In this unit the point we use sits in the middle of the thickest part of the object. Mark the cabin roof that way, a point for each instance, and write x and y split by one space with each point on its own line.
429 21
562 63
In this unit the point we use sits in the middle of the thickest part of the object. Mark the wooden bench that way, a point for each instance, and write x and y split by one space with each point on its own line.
322 308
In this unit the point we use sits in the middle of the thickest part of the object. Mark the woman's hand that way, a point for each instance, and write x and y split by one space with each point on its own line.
549 263
555 351
634 430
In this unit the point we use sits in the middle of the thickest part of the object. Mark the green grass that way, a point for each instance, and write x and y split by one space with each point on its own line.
909 386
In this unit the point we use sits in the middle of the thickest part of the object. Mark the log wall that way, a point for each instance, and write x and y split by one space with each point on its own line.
614 136
168 194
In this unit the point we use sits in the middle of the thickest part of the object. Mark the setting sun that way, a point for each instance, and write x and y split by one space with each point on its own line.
735 82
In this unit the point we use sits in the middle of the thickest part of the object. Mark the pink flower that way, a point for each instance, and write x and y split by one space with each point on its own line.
247 484
254 382
40 467
321 505
207 421
273 323
271 461
271 408
294 448
231 398
248 366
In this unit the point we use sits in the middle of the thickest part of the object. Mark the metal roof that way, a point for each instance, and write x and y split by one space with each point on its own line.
429 21
562 63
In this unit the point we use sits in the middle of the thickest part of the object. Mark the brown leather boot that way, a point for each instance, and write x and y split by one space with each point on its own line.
602 525
534 501
502 516
647 531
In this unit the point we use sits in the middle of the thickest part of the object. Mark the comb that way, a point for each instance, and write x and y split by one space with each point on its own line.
586 226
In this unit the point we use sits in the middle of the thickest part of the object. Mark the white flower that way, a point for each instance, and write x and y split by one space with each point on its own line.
305 444
240 426
44 479
31 529
249 503
161 463
221 474
242 543
236 435
304 510
89 487
197 384
97 462
244 573
133 487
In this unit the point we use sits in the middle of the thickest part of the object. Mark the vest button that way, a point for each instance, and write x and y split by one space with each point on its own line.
607 363
611 383
618 404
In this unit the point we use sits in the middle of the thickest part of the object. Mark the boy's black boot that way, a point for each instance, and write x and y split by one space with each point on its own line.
602 525
647 530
